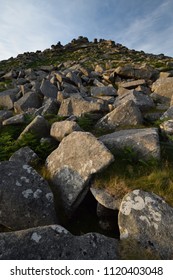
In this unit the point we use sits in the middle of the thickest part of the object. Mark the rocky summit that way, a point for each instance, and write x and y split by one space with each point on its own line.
86 153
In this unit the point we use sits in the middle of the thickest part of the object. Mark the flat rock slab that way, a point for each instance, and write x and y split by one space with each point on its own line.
144 142
71 165
78 106
56 243
125 114
147 218
25 197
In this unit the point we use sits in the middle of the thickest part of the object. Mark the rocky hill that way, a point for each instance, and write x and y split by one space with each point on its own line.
86 145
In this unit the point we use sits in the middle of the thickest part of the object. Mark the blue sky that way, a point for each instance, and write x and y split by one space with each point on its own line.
30 25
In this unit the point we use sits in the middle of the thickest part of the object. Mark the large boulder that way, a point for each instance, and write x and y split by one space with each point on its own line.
163 89
144 142
147 218
25 197
25 155
59 130
125 114
4 115
39 127
137 72
7 98
56 243
79 106
143 102
103 91
17 119
71 165
49 90
28 100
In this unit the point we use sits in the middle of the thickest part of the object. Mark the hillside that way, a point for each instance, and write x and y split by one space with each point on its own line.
86 153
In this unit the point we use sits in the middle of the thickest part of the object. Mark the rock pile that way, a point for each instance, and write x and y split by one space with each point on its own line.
120 101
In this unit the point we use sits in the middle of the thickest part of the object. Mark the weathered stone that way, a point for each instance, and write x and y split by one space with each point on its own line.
59 130
105 197
147 218
25 197
103 91
168 114
29 100
56 243
136 72
71 165
99 69
7 98
125 114
50 106
25 155
163 88
144 142
5 114
143 101
18 119
79 106
39 127
74 78
69 88
132 84
167 127
10 75
48 89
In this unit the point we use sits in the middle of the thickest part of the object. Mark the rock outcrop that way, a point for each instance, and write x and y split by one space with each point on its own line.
72 120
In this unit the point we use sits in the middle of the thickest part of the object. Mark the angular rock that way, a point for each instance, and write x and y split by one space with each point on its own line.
59 130
106 198
163 88
48 89
18 119
79 106
51 106
7 98
136 72
25 155
39 127
168 114
25 197
143 101
167 127
71 165
5 114
144 142
74 78
56 243
147 218
125 114
103 91
29 100
133 84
